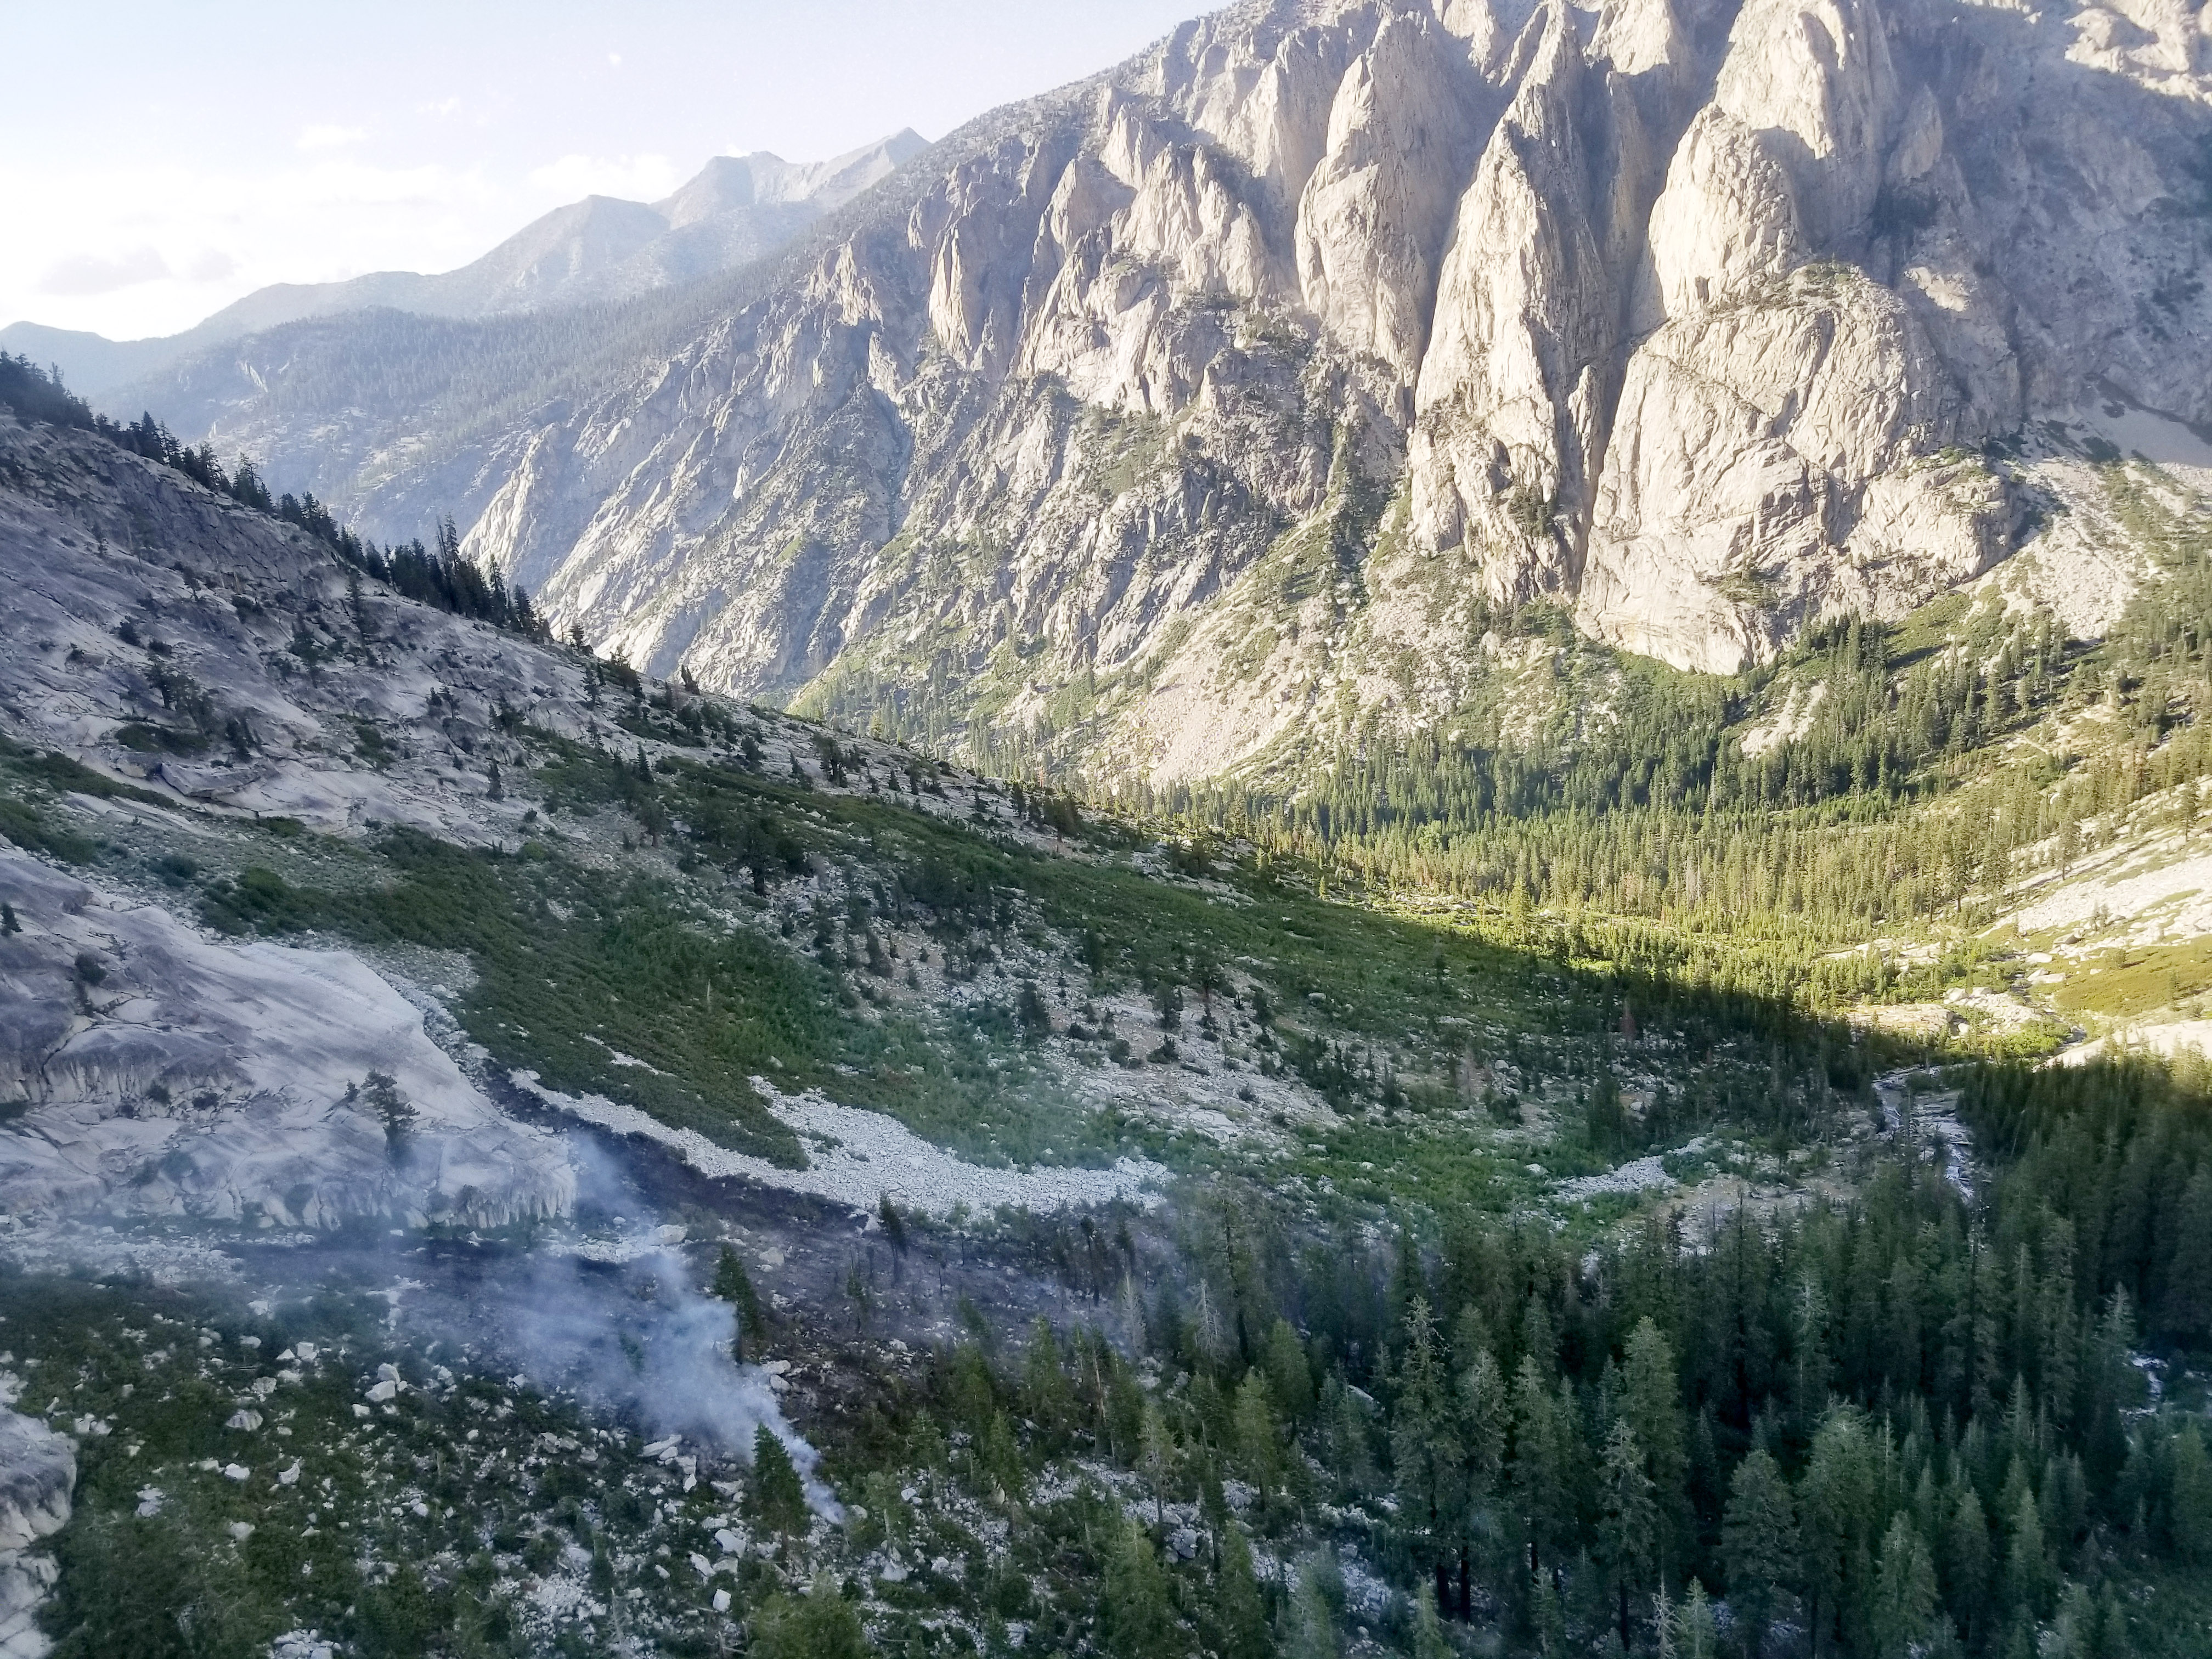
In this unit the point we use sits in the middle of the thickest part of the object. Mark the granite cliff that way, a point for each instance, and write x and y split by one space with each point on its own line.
1221 398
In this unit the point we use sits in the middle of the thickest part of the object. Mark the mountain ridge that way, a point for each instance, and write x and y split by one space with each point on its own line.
631 1036
1218 399
734 209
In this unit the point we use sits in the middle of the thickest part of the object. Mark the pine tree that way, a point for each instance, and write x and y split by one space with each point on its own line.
1835 1504
1424 1452
735 1286
1696 1635
2075 1631
1311 1628
820 1625
1240 1614
1045 1394
1811 1382
1484 1413
1139 1622
382 1094
778 1496
1545 1616
2192 1497
1905 1593
2187 1309
1967 1558
2029 1576
1628 1521
1428 1631
1256 1437
999 1457
1651 1400
1288 1374
894 1224
1540 1461
1759 1542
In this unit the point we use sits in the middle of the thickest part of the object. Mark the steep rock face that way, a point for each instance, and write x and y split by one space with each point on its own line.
1376 209
1513 396
37 1477
1771 461
223 1081
38 1472
150 1069
1188 411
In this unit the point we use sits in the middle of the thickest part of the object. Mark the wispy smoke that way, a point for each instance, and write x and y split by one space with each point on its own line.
615 1321
638 1337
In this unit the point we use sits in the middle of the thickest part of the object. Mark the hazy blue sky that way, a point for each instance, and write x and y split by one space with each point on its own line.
157 161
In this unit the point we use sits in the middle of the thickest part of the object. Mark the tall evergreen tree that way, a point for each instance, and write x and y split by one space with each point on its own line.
1904 1593
1137 1616
1309 1628
1651 1399
1288 1374
2187 1308
1967 1562
778 1496
1429 1641
1240 1615
1484 1416
2029 1576
735 1286
820 1625
1758 1543
1696 1635
1836 1503
1628 1521
2192 1497
1425 1450
1540 1462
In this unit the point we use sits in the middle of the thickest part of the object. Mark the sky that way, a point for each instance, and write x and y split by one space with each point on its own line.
159 160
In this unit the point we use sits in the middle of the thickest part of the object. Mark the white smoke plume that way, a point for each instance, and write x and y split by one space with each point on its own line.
636 1335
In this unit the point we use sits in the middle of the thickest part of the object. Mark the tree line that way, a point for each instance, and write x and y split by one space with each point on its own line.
1909 1423
437 575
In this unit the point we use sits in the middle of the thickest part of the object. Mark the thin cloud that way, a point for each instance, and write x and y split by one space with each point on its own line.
81 276
640 178
212 266
324 136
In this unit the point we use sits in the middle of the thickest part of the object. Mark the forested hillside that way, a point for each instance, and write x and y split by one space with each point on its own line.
1302 1264
1914 782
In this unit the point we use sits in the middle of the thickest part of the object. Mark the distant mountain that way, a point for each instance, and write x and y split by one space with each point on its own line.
1222 405
739 208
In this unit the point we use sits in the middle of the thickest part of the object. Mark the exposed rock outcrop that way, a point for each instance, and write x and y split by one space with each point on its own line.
38 1475
164 1074
1170 415
159 631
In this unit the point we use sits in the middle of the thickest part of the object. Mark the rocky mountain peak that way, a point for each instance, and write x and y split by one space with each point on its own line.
1218 395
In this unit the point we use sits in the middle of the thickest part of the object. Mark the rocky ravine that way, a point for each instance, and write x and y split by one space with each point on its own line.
1159 417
